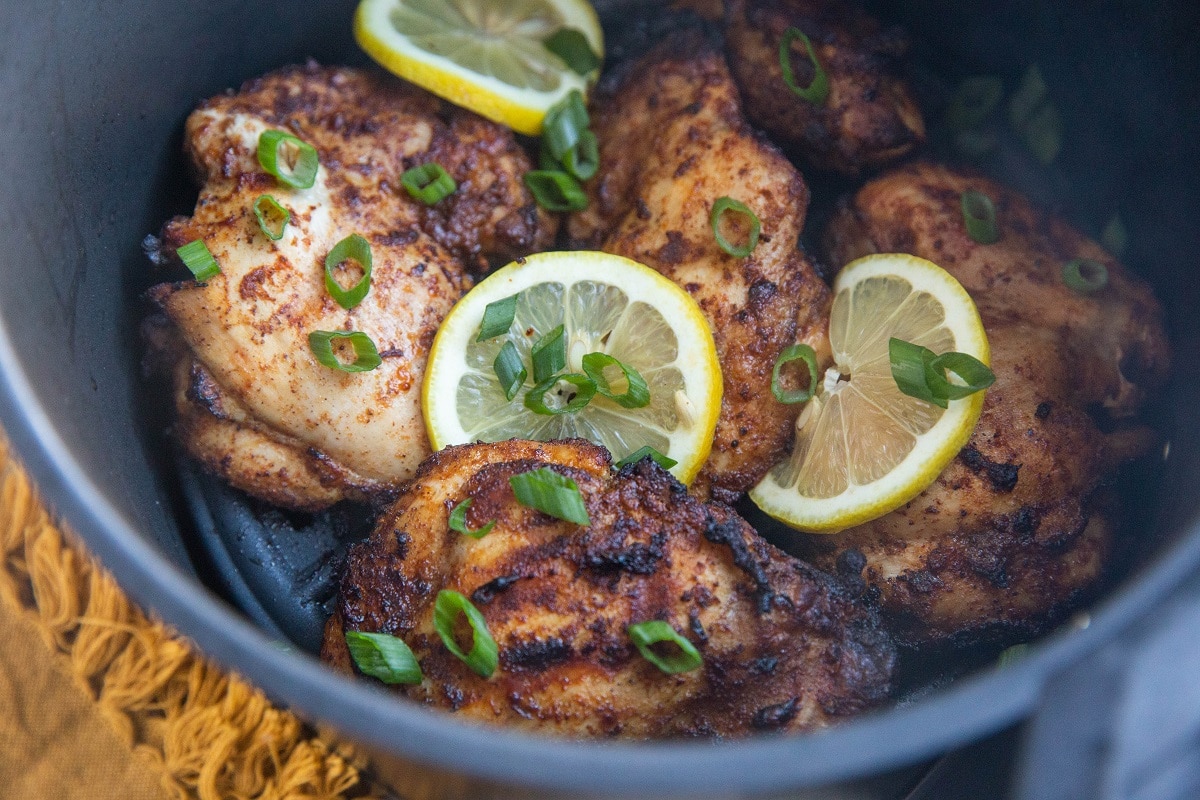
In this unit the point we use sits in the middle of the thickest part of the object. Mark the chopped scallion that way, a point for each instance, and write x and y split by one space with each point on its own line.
818 88
484 655
573 48
636 394
921 373
383 656
458 522
428 183
291 161
273 218
583 160
497 318
555 190
549 354
725 206
196 256
352 248
1085 275
564 123
647 634
797 352
577 393
509 370
979 217
646 452
547 491
366 355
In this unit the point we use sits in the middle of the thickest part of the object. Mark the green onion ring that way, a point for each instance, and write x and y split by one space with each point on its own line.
356 248
366 355
564 123
547 491
585 390
300 176
383 656
497 318
549 354
666 462
458 522
727 205
428 183
196 256
583 160
979 217
797 352
637 393
265 205
509 370
817 91
484 655
555 190
1085 275
573 48
646 634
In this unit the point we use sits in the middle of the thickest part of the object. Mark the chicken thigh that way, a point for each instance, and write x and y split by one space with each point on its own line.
253 404
673 141
1020 524
783 646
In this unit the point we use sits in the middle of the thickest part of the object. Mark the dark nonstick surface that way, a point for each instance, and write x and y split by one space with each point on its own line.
92 100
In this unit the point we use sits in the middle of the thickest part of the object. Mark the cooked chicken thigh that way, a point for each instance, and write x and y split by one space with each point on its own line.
673 141
253 403
869 117
783 646
1021 522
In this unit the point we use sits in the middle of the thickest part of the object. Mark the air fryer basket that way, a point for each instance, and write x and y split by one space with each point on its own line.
94 97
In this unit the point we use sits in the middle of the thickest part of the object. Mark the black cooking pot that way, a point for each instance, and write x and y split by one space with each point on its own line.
92 101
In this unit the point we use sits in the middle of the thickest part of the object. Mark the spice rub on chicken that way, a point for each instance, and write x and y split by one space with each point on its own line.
253 404
672 142
869 117
783 646
1021 522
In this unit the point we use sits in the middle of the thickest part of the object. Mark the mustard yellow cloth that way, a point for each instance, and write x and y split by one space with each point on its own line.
99 701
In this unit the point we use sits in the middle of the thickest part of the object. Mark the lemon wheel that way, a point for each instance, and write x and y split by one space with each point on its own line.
862 446
489 57
623 311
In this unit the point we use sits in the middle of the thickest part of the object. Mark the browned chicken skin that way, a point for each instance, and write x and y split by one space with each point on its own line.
673 141
252 402
783 646
869 117
1019 524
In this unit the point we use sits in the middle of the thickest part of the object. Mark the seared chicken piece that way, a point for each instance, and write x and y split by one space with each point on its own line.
1020 523
869 117
673 141
253 404
784 647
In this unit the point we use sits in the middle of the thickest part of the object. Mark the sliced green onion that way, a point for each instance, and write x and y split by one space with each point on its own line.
573 48
509 370
366 356
428 183
196 256
647 634
583 160
727 205
1115 237
546 160
818 89
1034 117
484 655
498 317
636 394
582 393
921 373
458 522
797 352
551 493
979 217
564 123
298 165
643 452
1085 275
549 354
383 656
356 248
555 190
268 210
974 100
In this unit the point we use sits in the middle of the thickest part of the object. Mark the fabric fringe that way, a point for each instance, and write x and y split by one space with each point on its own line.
212 735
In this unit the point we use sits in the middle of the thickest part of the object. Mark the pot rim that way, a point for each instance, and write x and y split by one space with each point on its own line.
970 708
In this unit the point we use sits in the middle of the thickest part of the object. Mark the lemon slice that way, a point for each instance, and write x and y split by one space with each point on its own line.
484 55
864 448
606 304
